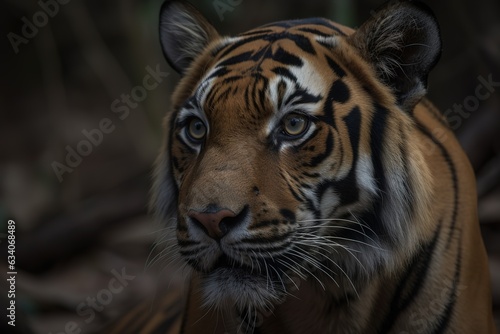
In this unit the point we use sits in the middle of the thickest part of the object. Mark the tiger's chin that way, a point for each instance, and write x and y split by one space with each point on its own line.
240 287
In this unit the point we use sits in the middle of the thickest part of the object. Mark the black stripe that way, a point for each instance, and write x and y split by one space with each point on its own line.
215 95
193 251
302 42
233 46
302 97
266 223
377 133
315 31
302 198
373 218
285 57
283 71
224 95
218 73
251 100
255 103
305 185
306 142
264 248
445 318
281 88
266 240
339 92
261 54
340 144
288 215
420 266
328 112
172 207
348 188
231 79
186 242
294 194
316 160
262 92
342 92
336 68
313 175
242 57
408 180
411 283
258 97
248 95
209 99
454 178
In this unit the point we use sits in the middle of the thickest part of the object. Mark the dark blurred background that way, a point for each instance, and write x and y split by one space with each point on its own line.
63 77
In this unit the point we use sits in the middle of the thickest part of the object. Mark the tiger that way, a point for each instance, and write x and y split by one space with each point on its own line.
311 185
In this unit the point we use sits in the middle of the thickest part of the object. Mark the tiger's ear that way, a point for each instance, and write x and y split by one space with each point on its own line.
184 33
403 43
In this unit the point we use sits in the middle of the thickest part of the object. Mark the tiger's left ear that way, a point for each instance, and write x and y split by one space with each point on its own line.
184 33
403 43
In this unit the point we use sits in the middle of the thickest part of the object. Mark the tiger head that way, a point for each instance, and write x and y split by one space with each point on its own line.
289 150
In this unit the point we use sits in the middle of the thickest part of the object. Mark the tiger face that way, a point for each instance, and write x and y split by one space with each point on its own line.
290 152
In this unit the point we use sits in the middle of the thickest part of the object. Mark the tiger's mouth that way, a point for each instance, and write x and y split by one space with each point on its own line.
229 282
267 268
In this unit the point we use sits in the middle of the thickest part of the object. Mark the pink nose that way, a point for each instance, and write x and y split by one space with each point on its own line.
212 222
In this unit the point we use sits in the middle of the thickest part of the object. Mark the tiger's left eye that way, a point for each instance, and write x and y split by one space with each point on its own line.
196 129
295 125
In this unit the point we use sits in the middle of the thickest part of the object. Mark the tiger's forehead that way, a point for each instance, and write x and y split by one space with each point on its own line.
269 49
269 70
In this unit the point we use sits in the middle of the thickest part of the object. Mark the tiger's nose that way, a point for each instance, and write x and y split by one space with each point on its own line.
215 224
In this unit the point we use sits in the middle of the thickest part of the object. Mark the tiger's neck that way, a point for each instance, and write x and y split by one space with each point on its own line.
367 309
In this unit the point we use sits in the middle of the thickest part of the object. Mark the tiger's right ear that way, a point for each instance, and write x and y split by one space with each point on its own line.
403 43
184 33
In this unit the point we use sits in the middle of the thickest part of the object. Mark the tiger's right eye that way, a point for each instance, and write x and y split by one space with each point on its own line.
196 129
295 125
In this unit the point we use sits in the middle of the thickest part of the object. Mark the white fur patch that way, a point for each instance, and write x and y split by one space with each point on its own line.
237 287
364 174
329 202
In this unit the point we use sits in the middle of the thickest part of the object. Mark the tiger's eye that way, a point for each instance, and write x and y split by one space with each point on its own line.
197 129
295 124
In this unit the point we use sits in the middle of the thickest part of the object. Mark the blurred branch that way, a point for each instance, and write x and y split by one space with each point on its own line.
66 236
